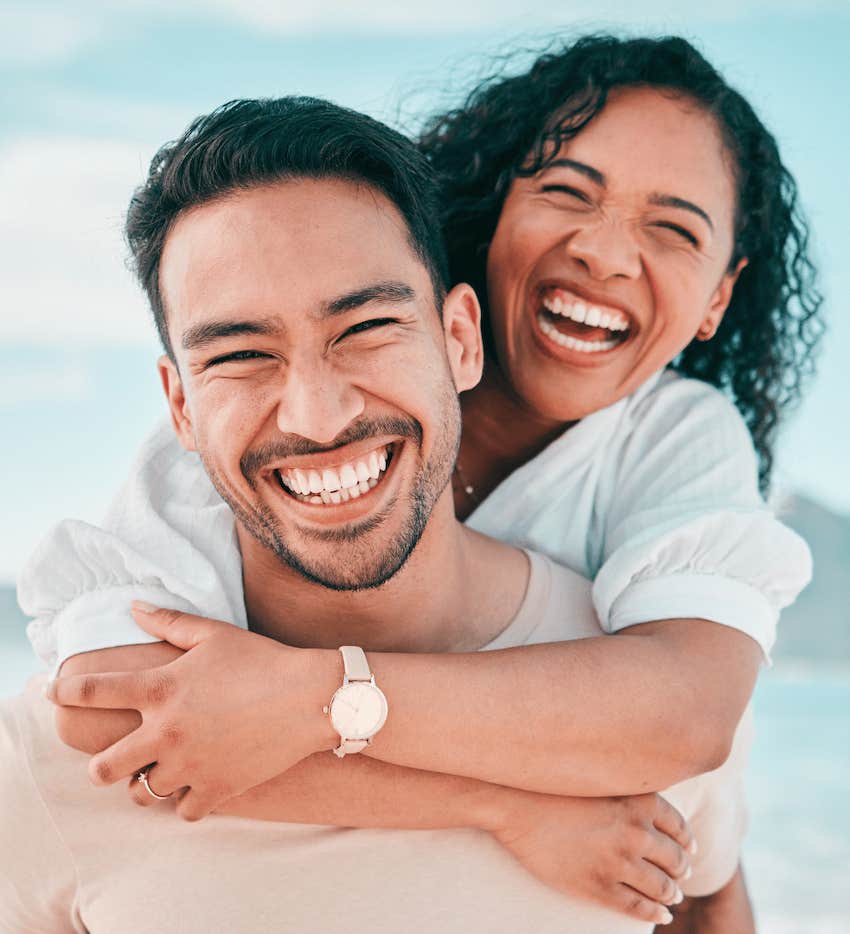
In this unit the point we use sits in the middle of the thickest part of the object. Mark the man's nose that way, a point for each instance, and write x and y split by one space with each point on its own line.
316 402
606 250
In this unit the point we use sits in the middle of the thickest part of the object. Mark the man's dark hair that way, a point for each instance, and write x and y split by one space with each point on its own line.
248 143
513 125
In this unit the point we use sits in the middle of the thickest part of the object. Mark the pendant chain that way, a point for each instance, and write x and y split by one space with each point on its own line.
466 486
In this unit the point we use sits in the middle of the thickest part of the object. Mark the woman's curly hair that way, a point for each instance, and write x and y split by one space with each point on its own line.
765 346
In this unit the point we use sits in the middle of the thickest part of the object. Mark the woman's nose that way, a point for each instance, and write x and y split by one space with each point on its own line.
606 250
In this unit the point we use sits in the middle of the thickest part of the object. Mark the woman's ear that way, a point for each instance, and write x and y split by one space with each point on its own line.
720 302
181 417
462 331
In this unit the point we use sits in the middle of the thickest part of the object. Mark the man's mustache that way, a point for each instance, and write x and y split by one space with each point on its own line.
256 459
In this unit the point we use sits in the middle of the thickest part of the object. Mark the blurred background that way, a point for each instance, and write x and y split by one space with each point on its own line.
91 89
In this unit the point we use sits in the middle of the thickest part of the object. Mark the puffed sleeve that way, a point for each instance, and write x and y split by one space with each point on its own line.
168 539
38 878
684 530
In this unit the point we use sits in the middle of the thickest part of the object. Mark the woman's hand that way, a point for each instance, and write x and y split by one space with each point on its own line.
627 854
213 726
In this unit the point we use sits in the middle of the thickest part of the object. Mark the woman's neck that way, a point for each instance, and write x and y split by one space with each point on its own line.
500 434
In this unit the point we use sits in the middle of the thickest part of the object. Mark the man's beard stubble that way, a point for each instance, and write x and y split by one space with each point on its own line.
369 567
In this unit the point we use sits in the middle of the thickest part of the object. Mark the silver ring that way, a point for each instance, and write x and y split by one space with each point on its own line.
143 778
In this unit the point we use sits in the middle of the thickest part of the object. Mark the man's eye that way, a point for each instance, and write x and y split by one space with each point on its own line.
237 355
681 231
369 325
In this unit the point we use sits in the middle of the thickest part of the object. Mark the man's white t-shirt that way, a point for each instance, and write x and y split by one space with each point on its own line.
75 858
654 498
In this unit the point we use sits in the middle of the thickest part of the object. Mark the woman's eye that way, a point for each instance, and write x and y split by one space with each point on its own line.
236 356
567 190
369 325
682 232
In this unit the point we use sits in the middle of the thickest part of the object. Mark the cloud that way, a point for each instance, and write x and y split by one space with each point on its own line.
447 16
64 278
69 382
37 33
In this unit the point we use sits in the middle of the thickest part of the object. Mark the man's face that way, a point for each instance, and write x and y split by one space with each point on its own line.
312 373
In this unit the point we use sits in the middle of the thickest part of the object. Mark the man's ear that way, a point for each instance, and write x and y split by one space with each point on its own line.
462 331
180 415
720 302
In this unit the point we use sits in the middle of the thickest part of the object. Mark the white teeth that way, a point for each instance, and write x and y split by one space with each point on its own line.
347 476
336 485
573 342
578 311
330 480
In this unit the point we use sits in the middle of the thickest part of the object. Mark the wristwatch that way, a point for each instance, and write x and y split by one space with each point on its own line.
358 709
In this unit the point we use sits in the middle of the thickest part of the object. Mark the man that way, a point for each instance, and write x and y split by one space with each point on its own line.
301 302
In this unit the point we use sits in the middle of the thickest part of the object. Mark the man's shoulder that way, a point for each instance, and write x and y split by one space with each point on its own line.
25 720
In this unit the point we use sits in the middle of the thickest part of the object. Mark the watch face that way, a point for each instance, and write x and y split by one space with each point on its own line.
358 710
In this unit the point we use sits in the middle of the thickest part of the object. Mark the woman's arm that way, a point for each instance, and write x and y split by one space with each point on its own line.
624 714
627 854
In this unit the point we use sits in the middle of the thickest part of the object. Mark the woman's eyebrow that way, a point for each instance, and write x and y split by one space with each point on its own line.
587 170
672 201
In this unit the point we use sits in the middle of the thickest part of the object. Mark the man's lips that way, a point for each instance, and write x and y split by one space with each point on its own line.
333 485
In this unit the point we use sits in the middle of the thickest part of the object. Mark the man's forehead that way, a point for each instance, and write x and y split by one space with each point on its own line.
309 241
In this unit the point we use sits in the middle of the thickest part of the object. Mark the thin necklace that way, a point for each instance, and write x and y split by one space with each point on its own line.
466 486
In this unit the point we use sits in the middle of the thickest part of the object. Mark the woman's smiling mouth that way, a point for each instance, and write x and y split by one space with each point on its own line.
577 324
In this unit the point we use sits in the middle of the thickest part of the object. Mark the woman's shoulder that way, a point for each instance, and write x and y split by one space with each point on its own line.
686 408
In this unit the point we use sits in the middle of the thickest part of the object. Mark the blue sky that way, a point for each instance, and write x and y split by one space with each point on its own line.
89 90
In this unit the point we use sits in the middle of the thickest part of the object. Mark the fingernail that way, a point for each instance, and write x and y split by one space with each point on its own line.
677 898
144 607
688 873
665 917
47 688
692 848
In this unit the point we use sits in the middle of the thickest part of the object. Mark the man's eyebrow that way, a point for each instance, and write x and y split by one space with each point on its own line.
587 170
671 201
200 335
376 292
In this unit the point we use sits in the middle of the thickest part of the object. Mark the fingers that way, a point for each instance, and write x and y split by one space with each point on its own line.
669 821
180 629
632 903
123 758
667 855
653 883
133 690
159 781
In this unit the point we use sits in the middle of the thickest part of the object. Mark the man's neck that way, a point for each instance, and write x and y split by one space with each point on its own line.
457 591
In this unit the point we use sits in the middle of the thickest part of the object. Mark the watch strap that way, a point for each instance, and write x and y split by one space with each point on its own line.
350 745
355 663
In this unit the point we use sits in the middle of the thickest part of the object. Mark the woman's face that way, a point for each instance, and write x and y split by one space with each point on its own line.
606 264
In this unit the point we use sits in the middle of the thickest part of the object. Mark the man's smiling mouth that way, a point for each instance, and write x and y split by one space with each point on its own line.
580 325
334 485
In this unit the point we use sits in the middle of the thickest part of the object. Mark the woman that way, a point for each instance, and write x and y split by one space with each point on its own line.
600 270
